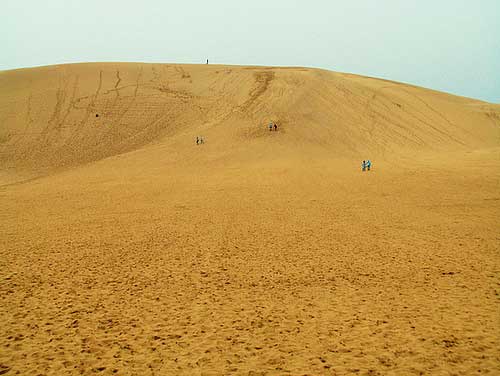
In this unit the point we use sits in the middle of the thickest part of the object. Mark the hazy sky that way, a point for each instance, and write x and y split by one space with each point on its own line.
448 45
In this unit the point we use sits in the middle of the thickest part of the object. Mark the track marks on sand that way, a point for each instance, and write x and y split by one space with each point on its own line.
263 80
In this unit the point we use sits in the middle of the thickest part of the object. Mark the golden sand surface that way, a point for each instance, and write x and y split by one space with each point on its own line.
127 249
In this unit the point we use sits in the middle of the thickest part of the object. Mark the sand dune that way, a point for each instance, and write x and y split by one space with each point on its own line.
72 114
128 249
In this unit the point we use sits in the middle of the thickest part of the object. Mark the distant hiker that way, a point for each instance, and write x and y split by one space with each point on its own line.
197 140
368 164
201 140
270 127
207 61
275 127
363 165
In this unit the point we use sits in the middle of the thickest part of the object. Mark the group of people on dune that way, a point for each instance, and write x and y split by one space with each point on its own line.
199 140
273 125
366 165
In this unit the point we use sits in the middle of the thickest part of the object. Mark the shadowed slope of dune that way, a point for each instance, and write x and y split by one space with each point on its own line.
67 115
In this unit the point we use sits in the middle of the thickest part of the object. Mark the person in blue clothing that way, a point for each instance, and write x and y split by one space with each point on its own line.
368 164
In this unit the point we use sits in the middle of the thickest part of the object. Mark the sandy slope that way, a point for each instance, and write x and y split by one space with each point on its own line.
67 115
127 249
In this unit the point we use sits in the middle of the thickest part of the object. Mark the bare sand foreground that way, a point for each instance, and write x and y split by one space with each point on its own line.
127 249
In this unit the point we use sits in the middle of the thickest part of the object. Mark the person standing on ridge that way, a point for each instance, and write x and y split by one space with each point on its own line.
363 165
275 127
368 164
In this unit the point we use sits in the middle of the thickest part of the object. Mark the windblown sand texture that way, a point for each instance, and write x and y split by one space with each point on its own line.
127 249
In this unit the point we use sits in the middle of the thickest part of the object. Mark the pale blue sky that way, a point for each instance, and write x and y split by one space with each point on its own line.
447 45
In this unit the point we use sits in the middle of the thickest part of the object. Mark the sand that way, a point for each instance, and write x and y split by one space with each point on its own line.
127 249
